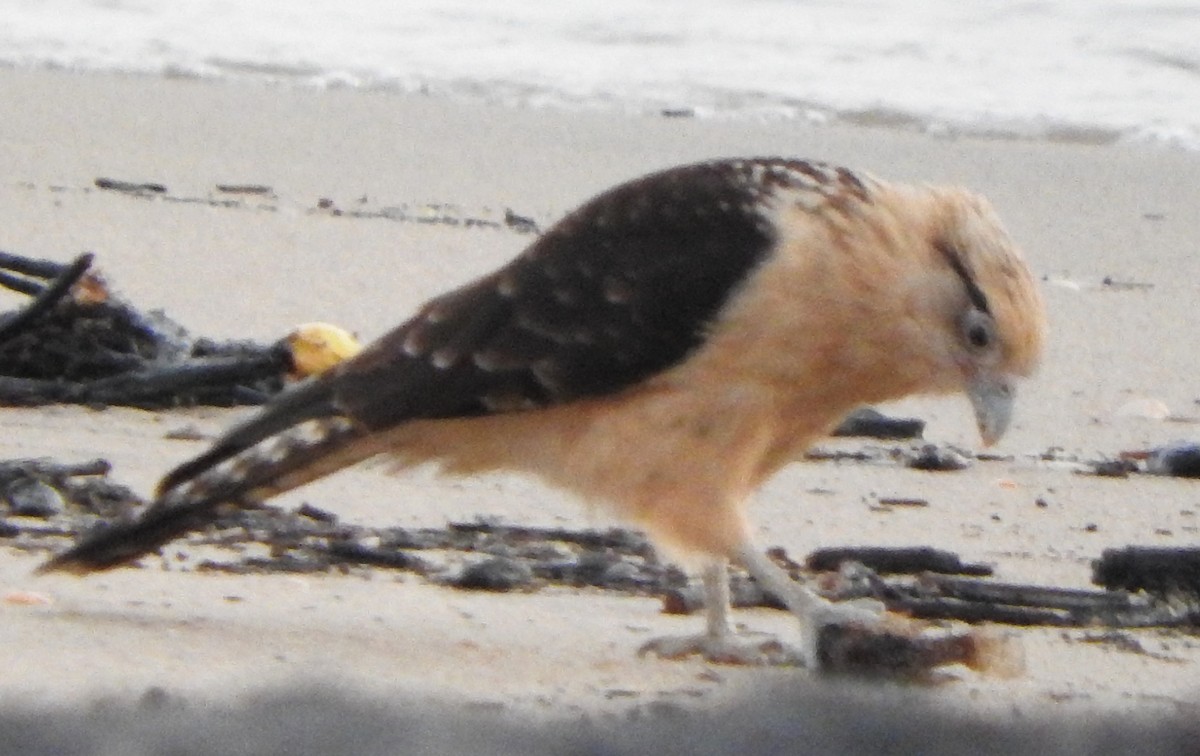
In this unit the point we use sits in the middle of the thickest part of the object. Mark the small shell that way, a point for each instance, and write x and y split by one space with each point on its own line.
27 598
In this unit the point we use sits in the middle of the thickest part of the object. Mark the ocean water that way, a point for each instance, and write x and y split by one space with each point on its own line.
1091 70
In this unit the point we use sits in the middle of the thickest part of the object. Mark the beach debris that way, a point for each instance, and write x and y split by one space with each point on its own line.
1165 572
495 574
1142 587
78 342
47 282
898 649
31 497
934 458
263 198
27 598
975 600
520 223
951 589
261 190
868 422
42 501
1180 459
316 347
431 214
351 551
1112 468
1109 282
130 187
187 432
900 560
925 457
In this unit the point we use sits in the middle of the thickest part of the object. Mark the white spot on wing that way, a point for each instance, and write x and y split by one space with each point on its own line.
434 314
492 361
413 346
444 358
506 286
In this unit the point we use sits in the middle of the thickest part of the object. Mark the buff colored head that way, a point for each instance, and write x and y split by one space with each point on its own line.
993 316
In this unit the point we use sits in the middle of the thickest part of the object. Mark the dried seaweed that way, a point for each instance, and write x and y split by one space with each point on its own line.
77 342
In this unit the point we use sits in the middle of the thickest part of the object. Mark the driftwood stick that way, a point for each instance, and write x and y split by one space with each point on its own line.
46 298
975 611
148 384
870 423
49 467
21 285
1161 571
894 560
27 266
1015 594
196 374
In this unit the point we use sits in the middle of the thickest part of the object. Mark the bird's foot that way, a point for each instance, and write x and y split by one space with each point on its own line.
751 649
862 613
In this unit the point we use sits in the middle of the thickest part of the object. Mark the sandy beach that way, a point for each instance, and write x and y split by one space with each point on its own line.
1085 214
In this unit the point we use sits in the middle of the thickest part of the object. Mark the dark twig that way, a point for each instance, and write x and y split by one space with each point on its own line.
21 285
46 298
1160 571
193 375
27 266
899 560
130 187
1015 594
870 423
151 384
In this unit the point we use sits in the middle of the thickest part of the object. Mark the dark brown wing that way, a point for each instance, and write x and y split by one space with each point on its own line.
618 290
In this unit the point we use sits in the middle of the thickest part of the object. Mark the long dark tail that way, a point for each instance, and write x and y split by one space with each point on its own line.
286 460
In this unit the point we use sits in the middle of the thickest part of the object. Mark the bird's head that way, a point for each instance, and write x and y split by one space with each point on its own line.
986 308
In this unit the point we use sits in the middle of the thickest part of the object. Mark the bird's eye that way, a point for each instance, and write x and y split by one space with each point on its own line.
979 336
977 330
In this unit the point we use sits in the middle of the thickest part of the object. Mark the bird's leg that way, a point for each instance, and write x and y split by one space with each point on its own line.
813 611
716 599
719 643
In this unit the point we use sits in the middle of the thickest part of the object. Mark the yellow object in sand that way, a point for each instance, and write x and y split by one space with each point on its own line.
316 347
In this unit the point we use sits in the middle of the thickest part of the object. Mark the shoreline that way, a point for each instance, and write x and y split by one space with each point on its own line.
1084 214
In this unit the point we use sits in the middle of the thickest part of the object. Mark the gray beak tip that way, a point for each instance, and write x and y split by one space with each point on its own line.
992 398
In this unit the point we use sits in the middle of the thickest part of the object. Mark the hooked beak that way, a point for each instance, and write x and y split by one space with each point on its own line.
992 397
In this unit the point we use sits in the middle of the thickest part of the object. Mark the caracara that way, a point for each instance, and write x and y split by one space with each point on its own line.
662 350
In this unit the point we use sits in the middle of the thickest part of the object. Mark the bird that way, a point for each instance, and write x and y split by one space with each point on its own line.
662 350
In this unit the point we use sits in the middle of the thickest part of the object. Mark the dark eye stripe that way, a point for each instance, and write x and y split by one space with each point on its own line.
973 291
